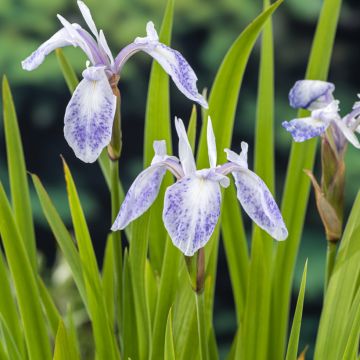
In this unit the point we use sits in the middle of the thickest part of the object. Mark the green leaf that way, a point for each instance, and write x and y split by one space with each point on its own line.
62 237
25 284
191 130
50 308
169 351
9 341
7 306
166 294
157 127
342 293
108 279
105 341
65 349
151 288
19 187
129 326
297 185
293 345
67 70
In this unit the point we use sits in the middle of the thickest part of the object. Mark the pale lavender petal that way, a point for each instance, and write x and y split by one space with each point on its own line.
103 43
348 133
142 193
85 12
89 115
211 143
185 152
58 40
191 212
311 94
173 63
305 128
259 204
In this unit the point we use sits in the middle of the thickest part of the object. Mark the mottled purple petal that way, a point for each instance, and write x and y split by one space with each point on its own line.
173 63
311 94
259 204
142 193
305 128
58 40
191 212
89 115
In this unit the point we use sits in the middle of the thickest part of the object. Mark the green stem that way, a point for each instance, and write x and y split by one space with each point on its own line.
201 322
330 262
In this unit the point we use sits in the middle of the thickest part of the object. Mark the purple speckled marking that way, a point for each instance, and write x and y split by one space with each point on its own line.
259 204
89 117
142 193
191 212
311 94
302 130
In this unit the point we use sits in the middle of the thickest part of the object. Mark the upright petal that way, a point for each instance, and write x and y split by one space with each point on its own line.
185 152
89 115
142 193
85 12
191 212
211 143
172 62
259 204
311 94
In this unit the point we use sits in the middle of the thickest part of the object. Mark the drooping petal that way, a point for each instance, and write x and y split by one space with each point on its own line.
211 143
142 193
89 115
259 204
348 133
311 94
185 152
60 39
305 128
172 62
191 212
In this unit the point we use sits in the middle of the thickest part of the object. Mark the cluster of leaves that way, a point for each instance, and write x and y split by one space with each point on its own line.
141 303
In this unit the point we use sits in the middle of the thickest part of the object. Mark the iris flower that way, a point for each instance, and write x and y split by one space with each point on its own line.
192 204
316 96
90 113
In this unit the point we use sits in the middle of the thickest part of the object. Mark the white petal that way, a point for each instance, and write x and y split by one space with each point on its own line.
89 115
311 94
58 40
105 46
173 63
88 18
140 196
191 212
185 152
241 159
211 143
348 133
259 204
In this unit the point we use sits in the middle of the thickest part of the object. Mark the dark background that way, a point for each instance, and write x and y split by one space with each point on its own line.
203 31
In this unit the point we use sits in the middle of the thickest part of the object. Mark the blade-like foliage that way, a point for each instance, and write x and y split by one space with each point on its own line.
297 185
158 127
65 349
22 273
169 352
293 345
20 196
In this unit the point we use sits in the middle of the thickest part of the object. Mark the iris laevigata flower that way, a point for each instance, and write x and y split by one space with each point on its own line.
192 204
90 113
316 96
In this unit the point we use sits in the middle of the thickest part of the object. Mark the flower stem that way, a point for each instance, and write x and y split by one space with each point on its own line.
330 262
201 322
